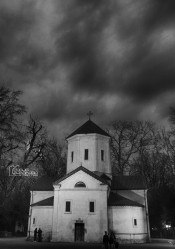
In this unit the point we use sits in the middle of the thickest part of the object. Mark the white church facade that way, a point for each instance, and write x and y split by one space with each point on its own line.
89 199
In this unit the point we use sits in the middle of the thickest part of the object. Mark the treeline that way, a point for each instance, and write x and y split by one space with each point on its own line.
137 148
27 144
143 148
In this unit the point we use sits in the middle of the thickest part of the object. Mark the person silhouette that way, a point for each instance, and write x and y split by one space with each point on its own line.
35 234
105 240
111 240
39 235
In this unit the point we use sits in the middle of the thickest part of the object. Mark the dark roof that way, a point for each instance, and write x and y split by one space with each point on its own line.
118 200
45 202
44 183
102 175
84 170
107 178
128 183
89 128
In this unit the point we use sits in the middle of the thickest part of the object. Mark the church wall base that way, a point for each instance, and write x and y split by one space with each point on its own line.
132 239
128 241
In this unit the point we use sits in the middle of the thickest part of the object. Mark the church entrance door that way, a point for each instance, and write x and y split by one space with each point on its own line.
79 231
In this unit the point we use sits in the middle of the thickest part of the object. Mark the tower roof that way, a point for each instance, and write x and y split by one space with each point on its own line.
89 128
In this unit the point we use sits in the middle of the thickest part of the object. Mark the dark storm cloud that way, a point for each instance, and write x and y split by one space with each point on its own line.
155 76
144 74
78 45
153 59
21 46
14 27
72 56
162 12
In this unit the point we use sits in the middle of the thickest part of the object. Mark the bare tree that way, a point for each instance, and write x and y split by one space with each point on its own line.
10 125
20 143
11 134
35 135
10 108
53 160
23 143
144 149
127 138
153 162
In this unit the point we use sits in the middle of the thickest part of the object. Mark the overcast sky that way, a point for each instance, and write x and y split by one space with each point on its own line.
115 58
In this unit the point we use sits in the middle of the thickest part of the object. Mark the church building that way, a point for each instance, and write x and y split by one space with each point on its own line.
89 199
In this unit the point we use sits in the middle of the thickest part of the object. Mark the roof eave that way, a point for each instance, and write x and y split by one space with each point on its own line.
84 170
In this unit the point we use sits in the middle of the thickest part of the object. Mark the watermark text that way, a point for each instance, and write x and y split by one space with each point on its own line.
15 170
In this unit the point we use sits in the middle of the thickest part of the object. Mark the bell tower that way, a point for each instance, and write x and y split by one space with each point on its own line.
88 146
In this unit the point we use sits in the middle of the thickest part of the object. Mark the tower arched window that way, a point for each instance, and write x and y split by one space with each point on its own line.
80 185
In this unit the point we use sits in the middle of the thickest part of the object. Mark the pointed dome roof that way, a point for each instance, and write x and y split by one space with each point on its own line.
89 128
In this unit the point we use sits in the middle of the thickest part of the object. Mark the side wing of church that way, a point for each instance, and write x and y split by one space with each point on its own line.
89 200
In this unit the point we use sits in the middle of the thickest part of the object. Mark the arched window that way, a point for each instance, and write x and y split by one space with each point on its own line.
80 185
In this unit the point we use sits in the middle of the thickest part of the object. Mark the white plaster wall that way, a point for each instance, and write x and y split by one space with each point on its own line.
121 222
36 196
64 223
94 143
103 144
78 144
43 219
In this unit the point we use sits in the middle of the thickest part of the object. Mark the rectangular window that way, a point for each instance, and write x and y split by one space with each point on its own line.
135 222
86 152
68 207
33 221
91 207
72 156
102 155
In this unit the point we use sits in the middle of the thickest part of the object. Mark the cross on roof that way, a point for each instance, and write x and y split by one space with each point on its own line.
89 114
